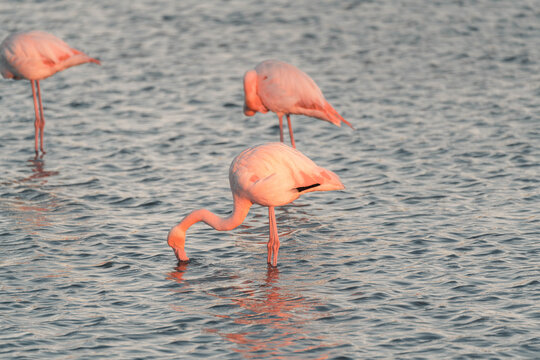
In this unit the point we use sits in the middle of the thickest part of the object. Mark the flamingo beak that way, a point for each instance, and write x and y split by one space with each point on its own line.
248 111
180 254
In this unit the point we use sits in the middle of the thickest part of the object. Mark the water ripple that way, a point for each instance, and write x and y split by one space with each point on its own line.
431 252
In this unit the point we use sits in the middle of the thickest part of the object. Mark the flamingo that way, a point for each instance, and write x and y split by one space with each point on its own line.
34 56
270 175
284 89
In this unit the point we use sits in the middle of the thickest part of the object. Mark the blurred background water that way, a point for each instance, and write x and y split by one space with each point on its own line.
432 251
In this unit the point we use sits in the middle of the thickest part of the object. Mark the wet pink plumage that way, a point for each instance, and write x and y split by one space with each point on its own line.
34 56
270 175
284 89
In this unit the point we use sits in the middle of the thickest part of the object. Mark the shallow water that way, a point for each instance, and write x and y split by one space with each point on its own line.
432 251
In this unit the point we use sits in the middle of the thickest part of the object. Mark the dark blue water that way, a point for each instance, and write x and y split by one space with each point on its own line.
432 251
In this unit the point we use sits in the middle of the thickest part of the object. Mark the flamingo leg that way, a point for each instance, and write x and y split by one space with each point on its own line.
290 131
42 122
269 247
37 121
273 241
280 117
270 236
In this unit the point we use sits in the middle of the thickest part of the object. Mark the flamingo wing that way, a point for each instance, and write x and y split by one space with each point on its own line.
275 174
36 55
286 89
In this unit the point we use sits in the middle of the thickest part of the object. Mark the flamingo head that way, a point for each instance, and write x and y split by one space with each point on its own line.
252 101
176 240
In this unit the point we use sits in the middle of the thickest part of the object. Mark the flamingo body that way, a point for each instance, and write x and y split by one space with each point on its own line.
284 89
34 56
270 175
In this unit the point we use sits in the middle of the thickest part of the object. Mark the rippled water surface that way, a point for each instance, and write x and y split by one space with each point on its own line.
432 251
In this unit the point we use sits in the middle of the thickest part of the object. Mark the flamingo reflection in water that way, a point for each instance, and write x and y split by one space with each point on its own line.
32 215
38 169
285 317
178 275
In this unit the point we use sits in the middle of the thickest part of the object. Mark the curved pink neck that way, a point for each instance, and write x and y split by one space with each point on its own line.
252 101
241 209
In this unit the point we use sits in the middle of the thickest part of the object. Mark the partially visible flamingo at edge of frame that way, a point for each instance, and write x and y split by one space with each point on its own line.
270 175
34 56
284 89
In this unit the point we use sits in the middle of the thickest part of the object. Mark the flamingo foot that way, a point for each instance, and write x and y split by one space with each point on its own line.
272 263
180 254
272 260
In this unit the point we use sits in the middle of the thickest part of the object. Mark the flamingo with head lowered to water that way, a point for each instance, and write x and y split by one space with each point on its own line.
270 175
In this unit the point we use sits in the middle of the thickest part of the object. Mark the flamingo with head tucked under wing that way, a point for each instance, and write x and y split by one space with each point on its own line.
284 89
34 56
270 175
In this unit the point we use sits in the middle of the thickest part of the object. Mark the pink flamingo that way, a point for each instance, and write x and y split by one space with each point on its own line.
284 89
270 175
34 56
